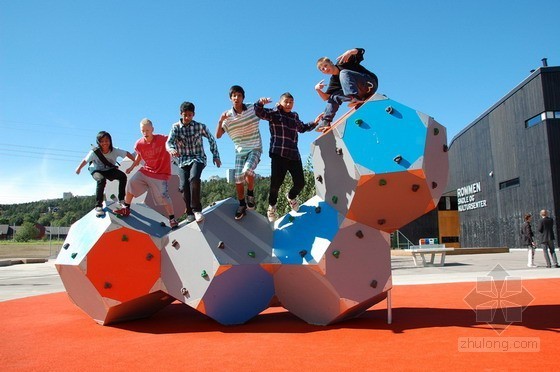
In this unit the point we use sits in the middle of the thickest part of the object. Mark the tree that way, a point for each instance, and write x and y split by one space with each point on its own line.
26 232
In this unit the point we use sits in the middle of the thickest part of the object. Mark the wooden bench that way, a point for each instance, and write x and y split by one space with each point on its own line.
432 250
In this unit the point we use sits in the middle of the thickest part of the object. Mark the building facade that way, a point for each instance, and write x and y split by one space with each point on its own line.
507 163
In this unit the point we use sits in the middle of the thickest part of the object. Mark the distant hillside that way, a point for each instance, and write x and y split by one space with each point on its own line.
59 212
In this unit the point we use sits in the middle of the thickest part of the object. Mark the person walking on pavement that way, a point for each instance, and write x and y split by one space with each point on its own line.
546 228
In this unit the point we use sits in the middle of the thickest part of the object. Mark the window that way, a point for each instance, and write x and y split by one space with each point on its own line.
533 121
556 114
509 183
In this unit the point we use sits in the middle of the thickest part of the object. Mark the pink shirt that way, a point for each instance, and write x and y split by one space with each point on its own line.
156 158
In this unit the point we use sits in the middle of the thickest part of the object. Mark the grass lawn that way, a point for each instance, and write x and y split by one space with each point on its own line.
38 249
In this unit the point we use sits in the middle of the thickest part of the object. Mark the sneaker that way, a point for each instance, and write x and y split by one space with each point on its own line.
271 213
293 203
173 223
531 265
323 126
356 103
123 212
251 202
198 216
240 212
99 212
190 218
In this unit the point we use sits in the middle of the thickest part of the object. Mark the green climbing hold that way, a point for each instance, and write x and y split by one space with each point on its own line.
336 254
73 255
359 122
252 254
203 274
335 199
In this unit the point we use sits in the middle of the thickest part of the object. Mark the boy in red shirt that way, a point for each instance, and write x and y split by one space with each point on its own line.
153 175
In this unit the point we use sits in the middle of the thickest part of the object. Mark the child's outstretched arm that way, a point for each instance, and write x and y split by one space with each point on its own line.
170 144
260 111
80 166
130 156
134 163
219 129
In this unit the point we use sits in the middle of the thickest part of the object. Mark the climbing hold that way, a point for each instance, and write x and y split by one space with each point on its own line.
397 159
184 291
317 209
73 255
203 274
319 178
434 185
338 151
359 122
221 245
334 199
113 197
124 238
359 234
381 221
415 187
389 109
175 244
149 256
66 245
107 285
291 218
162 224
336 254
436 131
373 284
445 148
382 182
252 254
302 253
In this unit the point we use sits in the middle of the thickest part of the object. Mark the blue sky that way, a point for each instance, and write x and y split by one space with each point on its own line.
69 69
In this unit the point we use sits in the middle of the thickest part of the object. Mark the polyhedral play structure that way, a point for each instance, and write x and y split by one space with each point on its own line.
378 168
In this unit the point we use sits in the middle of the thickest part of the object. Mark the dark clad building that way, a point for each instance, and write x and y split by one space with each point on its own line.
503 165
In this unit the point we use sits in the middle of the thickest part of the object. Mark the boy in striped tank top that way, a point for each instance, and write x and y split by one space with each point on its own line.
242 125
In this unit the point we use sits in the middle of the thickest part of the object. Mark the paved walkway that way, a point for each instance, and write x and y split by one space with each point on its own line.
27 280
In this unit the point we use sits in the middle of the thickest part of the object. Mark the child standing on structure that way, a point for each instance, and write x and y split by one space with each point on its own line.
153 175
284 126
185 145
103 166
242 125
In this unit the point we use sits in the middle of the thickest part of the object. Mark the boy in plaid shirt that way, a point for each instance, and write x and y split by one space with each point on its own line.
284 127
185 146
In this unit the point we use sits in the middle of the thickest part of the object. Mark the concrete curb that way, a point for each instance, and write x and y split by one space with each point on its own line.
18 261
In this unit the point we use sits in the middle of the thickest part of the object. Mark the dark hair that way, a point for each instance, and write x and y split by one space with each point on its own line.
236 89
103 134
186 106
527 216
287 95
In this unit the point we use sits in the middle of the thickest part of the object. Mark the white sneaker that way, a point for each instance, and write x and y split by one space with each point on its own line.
99 212
271 213
293 203
531 265
198 216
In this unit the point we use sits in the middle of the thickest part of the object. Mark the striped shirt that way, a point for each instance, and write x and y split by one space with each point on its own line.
187 141
284 127
243 129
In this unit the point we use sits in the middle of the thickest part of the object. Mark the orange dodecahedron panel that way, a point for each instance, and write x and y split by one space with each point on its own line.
389 201
124 264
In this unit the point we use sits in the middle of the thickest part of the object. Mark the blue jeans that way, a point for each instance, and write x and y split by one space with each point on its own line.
189 186
354 85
